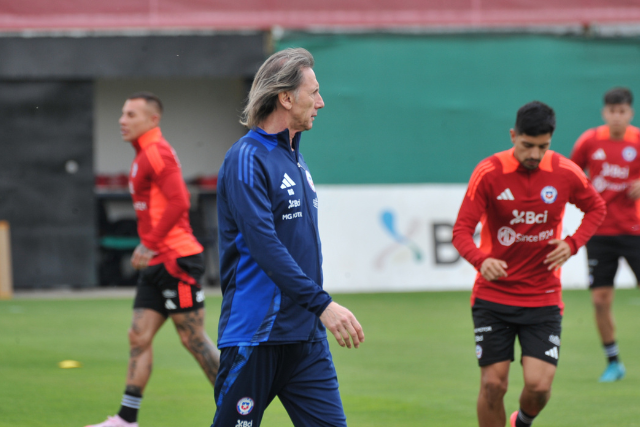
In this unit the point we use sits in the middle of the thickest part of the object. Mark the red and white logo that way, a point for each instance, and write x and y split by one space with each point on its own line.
478 351
629 154
245 405
310 181
549 194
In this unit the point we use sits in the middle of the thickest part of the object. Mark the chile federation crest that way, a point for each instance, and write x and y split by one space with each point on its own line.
245 405
549 194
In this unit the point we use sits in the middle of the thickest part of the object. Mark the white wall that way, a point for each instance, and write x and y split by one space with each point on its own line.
200 121
361 255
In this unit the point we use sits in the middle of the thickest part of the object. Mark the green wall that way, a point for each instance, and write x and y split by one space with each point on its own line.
425 108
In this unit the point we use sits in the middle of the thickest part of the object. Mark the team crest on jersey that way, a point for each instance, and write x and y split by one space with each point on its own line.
310 181
245 405
629 154
549 194
478 351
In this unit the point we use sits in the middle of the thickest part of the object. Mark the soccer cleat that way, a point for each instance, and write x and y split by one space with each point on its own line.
512 419
615 371
114 421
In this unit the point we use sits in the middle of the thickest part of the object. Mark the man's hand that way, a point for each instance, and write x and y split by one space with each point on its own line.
634 190
559 255
141 257
493 269
343 324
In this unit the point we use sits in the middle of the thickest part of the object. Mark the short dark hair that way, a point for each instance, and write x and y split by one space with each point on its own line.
150 98
618 95
535 118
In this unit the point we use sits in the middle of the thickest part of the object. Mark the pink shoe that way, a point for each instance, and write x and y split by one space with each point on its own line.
512 419
114 421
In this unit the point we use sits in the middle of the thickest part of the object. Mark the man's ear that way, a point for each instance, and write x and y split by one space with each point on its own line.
286 99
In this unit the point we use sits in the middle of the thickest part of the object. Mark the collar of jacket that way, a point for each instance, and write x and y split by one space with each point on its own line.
280 138
147 138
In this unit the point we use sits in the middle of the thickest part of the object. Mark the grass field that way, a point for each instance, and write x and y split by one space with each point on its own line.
417 367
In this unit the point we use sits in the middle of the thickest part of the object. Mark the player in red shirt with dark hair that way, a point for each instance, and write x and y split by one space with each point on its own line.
519 197
169 256
609 154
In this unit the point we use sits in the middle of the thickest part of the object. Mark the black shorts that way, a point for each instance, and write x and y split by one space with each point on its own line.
603 253
496 326
160 291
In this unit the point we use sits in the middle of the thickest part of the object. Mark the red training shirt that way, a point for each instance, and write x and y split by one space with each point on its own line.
161 200
520 211
612 166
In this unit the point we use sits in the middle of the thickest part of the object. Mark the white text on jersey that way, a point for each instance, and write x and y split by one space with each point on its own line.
528 217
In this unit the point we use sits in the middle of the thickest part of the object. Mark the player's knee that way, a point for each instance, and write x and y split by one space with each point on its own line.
540 390
494 388
601 298
139 339
601 304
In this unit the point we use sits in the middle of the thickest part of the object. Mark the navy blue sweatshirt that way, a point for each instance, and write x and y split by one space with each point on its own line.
270 253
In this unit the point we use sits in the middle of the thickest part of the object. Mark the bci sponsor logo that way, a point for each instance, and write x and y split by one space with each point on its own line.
294 204
615 171
528 217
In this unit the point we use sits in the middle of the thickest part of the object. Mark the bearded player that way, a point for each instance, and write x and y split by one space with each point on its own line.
519 197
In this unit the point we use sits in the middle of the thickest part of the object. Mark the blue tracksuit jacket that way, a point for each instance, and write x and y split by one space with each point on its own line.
270 255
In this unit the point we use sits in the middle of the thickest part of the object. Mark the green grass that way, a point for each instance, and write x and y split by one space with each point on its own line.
417 366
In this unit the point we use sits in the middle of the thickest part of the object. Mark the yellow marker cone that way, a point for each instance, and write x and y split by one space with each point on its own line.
68 364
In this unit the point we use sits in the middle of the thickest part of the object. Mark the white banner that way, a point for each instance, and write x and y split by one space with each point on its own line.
398 238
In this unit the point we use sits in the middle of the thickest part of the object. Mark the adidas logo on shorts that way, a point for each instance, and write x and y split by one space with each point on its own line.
552 353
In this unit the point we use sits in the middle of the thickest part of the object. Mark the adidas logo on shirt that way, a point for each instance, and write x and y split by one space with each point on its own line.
599 155
287 182
506 195
552 353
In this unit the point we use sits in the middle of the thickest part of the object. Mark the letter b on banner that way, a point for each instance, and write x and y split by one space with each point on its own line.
443 250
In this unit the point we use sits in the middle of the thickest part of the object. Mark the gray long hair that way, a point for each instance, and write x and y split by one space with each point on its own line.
281 72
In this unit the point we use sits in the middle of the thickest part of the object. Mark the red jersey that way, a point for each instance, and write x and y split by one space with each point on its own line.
612 166
160 199
521 210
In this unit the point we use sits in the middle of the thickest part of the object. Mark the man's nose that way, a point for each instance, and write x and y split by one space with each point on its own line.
536 153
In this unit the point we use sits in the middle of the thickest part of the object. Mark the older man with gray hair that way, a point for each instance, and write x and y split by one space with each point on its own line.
274 312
